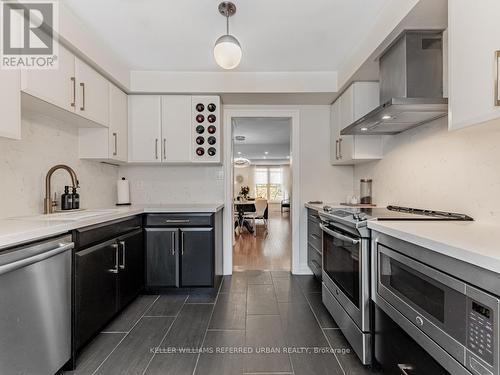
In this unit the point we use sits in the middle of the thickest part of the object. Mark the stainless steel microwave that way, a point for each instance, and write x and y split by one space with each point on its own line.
460 318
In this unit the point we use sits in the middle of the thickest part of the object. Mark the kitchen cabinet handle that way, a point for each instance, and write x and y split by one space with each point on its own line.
115 136
337 149
156 148
340 148
115 269
73 80
82 85
406 369
173 243
164 148
122 266
182 243
177 221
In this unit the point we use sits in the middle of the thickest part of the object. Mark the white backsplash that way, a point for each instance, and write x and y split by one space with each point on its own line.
24 164
429 167
174 184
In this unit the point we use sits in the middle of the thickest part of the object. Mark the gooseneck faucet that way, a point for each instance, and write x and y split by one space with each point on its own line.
48 203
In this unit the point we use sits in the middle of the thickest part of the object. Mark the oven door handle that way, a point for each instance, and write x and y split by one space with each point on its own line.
338 235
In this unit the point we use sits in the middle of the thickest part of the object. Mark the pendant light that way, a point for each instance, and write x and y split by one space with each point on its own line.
227 49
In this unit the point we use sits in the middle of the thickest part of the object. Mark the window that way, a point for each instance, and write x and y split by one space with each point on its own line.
269 183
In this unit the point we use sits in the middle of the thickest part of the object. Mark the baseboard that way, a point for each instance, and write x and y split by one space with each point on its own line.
302 269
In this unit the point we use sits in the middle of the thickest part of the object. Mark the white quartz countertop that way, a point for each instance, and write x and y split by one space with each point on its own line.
18 230
473 242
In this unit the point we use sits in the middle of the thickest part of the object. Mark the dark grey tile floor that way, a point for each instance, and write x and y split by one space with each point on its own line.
259 323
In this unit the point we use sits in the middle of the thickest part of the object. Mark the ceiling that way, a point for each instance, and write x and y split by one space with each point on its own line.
279 35
266 139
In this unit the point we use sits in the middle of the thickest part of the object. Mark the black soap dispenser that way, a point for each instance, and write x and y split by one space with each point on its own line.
76 199
66 199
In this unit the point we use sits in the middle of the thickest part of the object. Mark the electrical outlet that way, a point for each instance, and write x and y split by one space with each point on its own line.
219 175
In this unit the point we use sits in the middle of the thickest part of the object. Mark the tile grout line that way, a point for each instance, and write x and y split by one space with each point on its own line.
324 335
165 335
281 322
208 325
126 334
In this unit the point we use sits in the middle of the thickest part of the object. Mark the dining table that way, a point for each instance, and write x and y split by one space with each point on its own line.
243 206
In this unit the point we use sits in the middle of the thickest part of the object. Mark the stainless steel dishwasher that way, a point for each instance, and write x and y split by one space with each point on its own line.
35 307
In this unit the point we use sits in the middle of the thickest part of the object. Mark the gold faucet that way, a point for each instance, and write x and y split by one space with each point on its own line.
48 203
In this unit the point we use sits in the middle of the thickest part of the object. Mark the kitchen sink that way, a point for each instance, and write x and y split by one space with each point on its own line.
67 216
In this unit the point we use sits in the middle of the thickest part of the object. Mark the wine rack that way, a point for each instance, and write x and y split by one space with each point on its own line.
206 129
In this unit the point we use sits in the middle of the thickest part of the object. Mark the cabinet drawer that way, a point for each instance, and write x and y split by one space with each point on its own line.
180 220
94 234
314 261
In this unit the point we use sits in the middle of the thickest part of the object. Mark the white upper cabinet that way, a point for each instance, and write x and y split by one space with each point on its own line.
10 108
473 38
118 124
74 87
108 144
144 128
57 87
92 94
176 130
358 100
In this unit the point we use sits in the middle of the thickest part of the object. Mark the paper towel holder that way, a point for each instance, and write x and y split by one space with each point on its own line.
124 203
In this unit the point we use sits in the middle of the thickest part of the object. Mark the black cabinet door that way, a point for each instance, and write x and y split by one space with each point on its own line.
197 257
95 289
162 257
130 267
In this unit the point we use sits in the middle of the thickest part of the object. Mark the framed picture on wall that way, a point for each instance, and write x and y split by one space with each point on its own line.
497 79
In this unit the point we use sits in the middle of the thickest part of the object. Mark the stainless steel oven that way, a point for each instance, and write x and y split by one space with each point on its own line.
346 285
460 320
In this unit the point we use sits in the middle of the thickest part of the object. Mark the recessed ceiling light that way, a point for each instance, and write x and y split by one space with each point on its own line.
239 152
265 157
364 129
266 153
386 117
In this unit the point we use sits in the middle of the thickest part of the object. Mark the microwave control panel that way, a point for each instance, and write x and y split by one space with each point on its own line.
481 331
206 129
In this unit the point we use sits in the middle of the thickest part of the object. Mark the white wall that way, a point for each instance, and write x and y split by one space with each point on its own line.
429 167
319 180
24 164
174 184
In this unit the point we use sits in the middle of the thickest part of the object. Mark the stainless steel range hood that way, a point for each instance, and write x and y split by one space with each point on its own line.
411 86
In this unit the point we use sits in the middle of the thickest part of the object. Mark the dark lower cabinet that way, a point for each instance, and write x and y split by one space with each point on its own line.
197 257
314 243
95 285
397 353
161 257
130 267
109 274
183 250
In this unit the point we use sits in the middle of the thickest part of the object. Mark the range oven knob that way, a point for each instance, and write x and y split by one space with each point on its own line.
419 321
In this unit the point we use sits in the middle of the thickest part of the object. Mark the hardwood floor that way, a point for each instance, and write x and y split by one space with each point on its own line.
271 250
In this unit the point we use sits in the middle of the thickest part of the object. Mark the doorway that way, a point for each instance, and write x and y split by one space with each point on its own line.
272 176
262 193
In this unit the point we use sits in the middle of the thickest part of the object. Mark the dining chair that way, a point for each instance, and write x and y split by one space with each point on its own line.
259 214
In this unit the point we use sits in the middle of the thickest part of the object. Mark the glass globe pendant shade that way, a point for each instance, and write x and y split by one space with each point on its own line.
227 52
